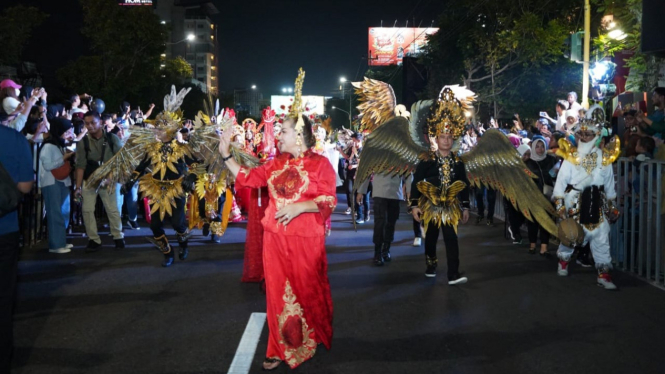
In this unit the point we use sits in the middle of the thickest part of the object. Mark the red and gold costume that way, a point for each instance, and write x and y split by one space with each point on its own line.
299 304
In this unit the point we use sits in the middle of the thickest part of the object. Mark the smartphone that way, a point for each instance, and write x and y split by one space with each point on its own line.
543 114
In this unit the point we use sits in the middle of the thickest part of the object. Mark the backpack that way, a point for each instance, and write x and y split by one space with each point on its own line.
10 196
91 166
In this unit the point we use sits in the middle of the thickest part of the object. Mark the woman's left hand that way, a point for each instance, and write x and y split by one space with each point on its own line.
288 213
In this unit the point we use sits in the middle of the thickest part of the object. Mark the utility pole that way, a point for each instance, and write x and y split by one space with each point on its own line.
587 43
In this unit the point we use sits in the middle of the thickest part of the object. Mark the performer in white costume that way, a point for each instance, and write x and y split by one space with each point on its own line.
585 191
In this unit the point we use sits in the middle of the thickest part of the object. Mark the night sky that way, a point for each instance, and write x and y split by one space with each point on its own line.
261 42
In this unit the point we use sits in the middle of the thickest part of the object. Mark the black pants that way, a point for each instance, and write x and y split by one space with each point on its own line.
516 220
452 246
348 187
9 247
491 201
177 219
386 212
534 228
416 228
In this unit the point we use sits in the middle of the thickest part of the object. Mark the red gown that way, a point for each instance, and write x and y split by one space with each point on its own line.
253 264
298 300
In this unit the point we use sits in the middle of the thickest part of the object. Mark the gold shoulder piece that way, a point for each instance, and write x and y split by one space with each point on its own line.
567 152
611 151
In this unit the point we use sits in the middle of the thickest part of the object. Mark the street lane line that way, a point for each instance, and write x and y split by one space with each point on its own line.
242 361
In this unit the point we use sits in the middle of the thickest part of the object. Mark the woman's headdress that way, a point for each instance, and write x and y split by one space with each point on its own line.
297 106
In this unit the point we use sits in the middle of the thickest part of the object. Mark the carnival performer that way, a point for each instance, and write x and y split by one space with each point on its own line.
584 191
302 196
258 202
164 161
440 189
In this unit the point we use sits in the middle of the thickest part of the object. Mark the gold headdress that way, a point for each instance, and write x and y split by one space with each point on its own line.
170 118
594 120
296 107
448 113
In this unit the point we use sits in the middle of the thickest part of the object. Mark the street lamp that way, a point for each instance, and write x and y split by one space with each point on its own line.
342 110
253 86
189 38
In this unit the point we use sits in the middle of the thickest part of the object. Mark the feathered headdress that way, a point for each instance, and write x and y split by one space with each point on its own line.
448 114
296 107
170 118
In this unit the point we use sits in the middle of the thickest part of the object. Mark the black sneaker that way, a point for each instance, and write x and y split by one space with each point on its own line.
133 225
479 219
517 240
583 262
92 246
490 222
119 243
216 239
457 279
430 272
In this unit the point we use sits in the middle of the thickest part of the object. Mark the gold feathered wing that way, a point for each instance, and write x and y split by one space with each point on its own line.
389 150
495 163
120 167
204 143
377 103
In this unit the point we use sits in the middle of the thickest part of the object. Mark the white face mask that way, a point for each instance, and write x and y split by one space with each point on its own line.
18 92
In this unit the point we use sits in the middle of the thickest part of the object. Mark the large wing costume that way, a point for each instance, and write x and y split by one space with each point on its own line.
396 146
203 143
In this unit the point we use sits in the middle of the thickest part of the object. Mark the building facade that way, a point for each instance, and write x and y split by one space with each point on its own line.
193 17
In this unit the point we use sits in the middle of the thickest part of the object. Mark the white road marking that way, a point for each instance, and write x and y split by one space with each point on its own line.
242 361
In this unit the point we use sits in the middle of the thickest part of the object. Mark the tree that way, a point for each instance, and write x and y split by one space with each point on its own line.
126 43
16 25
490 46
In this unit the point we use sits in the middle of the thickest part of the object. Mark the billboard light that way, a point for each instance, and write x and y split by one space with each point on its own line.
135 2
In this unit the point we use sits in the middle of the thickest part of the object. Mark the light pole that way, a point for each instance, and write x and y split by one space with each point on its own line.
343 80
342 110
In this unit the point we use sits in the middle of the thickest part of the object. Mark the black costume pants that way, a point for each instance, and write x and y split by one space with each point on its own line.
9 247
386 212
452 246
491 201
178 220
416 228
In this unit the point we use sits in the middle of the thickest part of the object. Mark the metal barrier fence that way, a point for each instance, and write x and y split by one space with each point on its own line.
637 239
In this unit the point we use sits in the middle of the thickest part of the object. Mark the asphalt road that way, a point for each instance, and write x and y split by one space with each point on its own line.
120 312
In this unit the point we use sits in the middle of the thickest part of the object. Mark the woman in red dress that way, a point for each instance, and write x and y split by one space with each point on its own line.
302 196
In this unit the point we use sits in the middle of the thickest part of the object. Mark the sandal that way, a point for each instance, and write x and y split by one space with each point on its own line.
532 251
270 364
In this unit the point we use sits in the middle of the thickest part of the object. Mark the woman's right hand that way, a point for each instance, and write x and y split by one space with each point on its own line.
67 155
225 142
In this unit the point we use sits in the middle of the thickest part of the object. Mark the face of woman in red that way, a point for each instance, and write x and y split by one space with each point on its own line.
287 138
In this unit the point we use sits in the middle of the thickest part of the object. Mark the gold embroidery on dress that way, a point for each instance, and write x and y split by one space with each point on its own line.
324 198
288 184
295 355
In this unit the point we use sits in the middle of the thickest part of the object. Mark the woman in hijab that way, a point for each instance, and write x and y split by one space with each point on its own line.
540 163
55 182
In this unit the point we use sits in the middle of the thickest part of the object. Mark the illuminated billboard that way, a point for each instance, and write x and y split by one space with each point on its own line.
388 45
313 104
135 2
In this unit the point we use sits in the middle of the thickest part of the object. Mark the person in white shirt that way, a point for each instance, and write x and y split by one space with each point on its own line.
572 102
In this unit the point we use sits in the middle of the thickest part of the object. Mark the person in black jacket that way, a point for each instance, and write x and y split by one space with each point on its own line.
540 163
